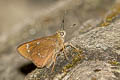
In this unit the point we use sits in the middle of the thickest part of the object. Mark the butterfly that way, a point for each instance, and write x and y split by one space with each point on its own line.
43 51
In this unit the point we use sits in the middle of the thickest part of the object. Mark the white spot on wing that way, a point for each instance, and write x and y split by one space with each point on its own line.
27 46
42 56
39 54
28 51
38 42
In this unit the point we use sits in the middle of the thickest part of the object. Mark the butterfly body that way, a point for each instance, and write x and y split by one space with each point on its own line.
43 51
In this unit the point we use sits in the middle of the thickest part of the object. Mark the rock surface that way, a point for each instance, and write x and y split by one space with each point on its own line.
96 34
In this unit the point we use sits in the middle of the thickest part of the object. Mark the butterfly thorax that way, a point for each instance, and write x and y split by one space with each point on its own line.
60 40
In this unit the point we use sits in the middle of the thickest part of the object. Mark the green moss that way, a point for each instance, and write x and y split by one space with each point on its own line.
112 16
105 24
75 60
113 62
65 69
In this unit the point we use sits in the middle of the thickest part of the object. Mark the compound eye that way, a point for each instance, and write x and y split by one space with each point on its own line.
62 34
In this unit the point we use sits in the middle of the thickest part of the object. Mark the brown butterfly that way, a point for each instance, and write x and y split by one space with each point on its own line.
43 51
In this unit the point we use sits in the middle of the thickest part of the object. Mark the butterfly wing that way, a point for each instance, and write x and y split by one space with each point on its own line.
26 48
39 51
43 55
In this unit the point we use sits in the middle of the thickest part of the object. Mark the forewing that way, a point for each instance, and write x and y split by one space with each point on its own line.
43 55
26 49
38 50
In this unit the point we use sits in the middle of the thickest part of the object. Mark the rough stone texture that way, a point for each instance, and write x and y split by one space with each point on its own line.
31 20
91 70
101 45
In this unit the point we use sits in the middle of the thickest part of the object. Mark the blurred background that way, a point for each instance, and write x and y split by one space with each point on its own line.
26 20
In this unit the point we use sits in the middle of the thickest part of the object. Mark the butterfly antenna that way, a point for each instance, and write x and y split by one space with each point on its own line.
62 24
63 21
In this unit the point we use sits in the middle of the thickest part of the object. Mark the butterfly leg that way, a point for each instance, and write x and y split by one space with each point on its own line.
70 44
49 63
54 60
65 53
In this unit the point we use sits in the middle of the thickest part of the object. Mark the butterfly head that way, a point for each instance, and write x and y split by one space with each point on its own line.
61 33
